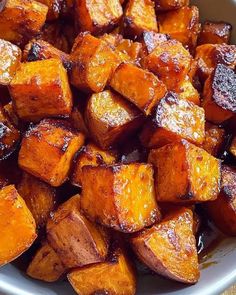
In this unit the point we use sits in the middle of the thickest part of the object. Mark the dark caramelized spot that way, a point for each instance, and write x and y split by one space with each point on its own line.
34 52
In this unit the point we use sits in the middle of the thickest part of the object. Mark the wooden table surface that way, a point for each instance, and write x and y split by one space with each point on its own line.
230 291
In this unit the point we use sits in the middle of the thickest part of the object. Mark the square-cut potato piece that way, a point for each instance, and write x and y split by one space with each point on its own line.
139 86
9 135
41 89
76 240
214 139
185 173
232 148
21 20
47 150
46 265
114 276
40 49
151 39
174 119
169 248
90 155
222 211
97 17
163 5
10 57
219 95
215 33
139 16
17 225
181 24
125 201
110 118
209 55
39 197
188 92
171 62
93 63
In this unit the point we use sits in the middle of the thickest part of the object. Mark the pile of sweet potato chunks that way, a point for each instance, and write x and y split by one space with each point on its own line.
115 119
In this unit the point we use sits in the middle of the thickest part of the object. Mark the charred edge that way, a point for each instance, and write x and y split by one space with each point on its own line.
34 52
188 196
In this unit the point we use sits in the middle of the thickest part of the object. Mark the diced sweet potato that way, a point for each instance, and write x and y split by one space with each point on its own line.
39 197
188 92
181 24
21 20
10 57
139 16
39 50
9 135
76 240
94 62
163 5
112 39
232 148
219 94
130 48
195 177
151 39
223 210
110 118
125 201
93 156
209 55
46 265
171 62
98 18
41 89
115 276
169 248
47 150
17 225
54 8
139 86
215 33
214 139
173 120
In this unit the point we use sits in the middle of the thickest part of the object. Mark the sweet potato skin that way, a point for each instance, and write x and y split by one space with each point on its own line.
46 265
19 231
222 211
47 150
41 89
126 208
139 86
63 230
110 118
169 248
196 176
173 120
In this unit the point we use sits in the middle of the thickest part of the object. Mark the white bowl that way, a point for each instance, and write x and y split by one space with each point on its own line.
214 279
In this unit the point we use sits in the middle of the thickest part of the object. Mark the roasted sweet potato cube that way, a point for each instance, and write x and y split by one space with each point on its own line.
174 119
139 86
9 135
114 276
76 240
21 20
10 57
219 95
215 33
39 197
17 225
39 50
181 24
214 139
151 39
139 16
232 148
185 173
47 150
41 89
163 5
54 8
126 199
188 92
97 18
91 155
171 62
46 265
110 118
94 62
169 248
222 211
